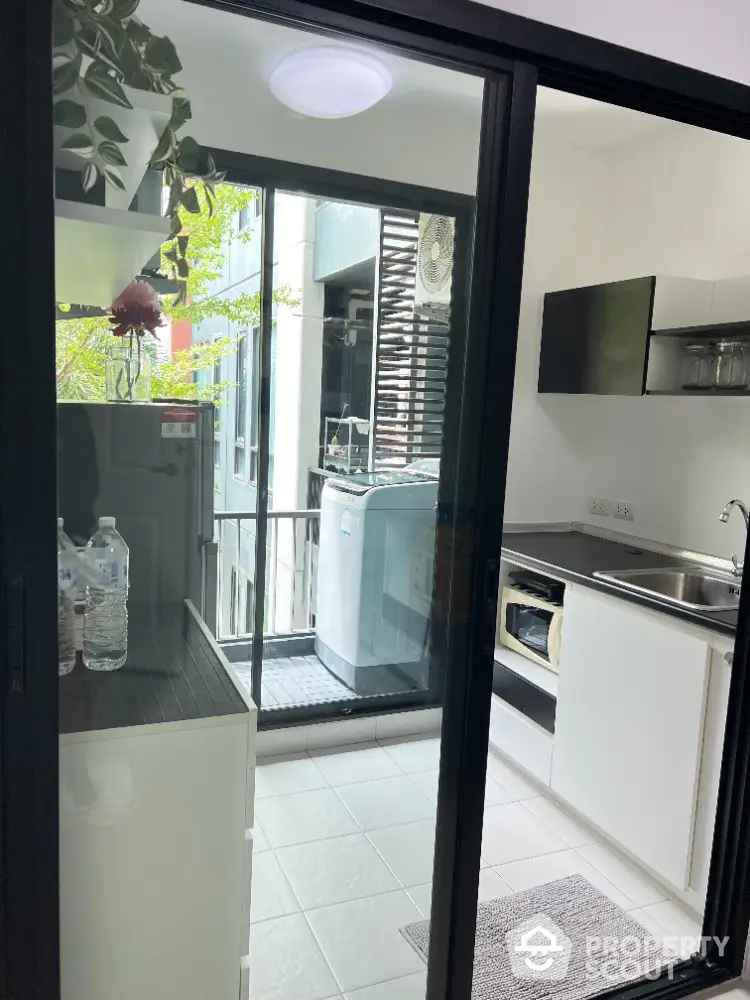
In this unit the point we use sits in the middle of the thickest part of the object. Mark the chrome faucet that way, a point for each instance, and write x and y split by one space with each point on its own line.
724 517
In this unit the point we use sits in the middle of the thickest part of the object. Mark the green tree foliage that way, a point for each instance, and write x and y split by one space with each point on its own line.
82 343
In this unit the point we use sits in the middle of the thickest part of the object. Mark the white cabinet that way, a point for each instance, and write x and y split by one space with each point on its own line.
155 860
629 727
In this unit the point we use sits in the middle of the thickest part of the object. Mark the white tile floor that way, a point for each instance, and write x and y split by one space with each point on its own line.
343 854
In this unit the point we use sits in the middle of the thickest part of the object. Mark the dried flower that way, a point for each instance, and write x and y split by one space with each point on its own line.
136 310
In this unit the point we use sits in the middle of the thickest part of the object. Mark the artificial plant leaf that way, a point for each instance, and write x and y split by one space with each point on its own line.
176 226
175 190
112 174
90 176
188 151
65 75
189 200
63 26
110 152
171 255
69 114
104 7
137 31
109 128
99 82
162 55
79 143
183 268
181 297
181 113
164 147
182 244
209 200
124 8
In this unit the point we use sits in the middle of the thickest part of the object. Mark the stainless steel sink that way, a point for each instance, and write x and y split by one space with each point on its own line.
684 586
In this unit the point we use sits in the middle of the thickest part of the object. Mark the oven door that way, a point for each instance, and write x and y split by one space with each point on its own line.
531 627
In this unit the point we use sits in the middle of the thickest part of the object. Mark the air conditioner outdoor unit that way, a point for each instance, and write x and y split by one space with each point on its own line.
434 264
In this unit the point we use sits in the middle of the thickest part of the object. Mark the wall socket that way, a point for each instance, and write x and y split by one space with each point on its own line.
599 506
623 509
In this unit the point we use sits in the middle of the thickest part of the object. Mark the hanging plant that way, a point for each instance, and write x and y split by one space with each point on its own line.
100 47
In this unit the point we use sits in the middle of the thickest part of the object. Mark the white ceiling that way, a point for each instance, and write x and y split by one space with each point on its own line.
228 59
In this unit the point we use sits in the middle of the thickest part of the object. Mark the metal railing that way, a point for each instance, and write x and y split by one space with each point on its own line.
291 563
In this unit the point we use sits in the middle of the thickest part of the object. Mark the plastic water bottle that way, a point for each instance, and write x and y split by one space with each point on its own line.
105 620
66 590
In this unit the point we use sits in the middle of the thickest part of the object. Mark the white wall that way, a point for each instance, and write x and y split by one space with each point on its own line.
676 204
710 35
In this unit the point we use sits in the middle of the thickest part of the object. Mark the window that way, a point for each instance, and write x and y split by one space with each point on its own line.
249 606
258 204
244 220
240 415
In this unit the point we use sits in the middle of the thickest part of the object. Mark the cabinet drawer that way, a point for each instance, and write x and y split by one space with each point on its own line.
521 740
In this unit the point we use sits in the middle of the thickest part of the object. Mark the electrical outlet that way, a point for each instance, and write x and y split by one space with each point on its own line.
599 506
624 510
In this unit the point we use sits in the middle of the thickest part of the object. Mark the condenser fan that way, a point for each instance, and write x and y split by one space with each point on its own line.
435 259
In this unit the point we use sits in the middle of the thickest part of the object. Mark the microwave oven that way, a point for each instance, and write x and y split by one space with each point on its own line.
531 625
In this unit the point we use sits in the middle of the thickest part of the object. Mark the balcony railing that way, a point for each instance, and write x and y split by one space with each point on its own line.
291 564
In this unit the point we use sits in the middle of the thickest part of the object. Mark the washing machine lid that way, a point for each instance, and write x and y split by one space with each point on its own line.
385 489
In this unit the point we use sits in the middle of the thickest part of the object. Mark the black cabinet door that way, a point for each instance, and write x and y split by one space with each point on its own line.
595 339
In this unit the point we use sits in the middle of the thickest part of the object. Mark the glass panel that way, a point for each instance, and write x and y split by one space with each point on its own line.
366 321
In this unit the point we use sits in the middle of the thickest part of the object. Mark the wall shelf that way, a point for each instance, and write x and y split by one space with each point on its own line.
99 251
143 125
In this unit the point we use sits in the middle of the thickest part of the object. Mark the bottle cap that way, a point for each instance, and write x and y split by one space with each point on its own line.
106 522
60 522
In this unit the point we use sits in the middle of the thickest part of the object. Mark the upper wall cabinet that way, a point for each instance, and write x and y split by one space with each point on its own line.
655 334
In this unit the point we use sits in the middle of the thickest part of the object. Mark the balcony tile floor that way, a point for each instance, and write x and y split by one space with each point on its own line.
293 681
343 845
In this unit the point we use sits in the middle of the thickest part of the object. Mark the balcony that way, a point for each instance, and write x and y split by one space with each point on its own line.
291 677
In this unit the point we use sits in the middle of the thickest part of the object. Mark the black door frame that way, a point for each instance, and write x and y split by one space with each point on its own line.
439 32
274 177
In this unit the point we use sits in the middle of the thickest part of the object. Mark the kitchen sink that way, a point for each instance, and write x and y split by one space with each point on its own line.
684 586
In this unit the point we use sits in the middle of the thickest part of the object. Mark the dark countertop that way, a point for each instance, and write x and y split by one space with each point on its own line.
172 674
576 555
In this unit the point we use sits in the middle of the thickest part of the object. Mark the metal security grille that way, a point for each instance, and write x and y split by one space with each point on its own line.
411 353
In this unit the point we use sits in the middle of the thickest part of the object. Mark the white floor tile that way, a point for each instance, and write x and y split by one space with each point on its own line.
260 840
286 962
408 850
290 773
674 919
362 942
495 794
386 802
515 784
492 885
574 833
342 733
409 988
655 929
271 894
427 783
347 765
413 756
512 833
636 886
550 867
335 871
304 816
421 896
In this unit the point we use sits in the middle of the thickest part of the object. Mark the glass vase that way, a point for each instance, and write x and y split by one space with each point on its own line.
128 372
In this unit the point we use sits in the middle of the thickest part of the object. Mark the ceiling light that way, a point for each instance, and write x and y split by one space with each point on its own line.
330 82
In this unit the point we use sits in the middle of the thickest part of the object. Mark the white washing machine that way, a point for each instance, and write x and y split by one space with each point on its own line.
375 574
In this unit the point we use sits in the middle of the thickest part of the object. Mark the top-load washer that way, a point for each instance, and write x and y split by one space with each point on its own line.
375 576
